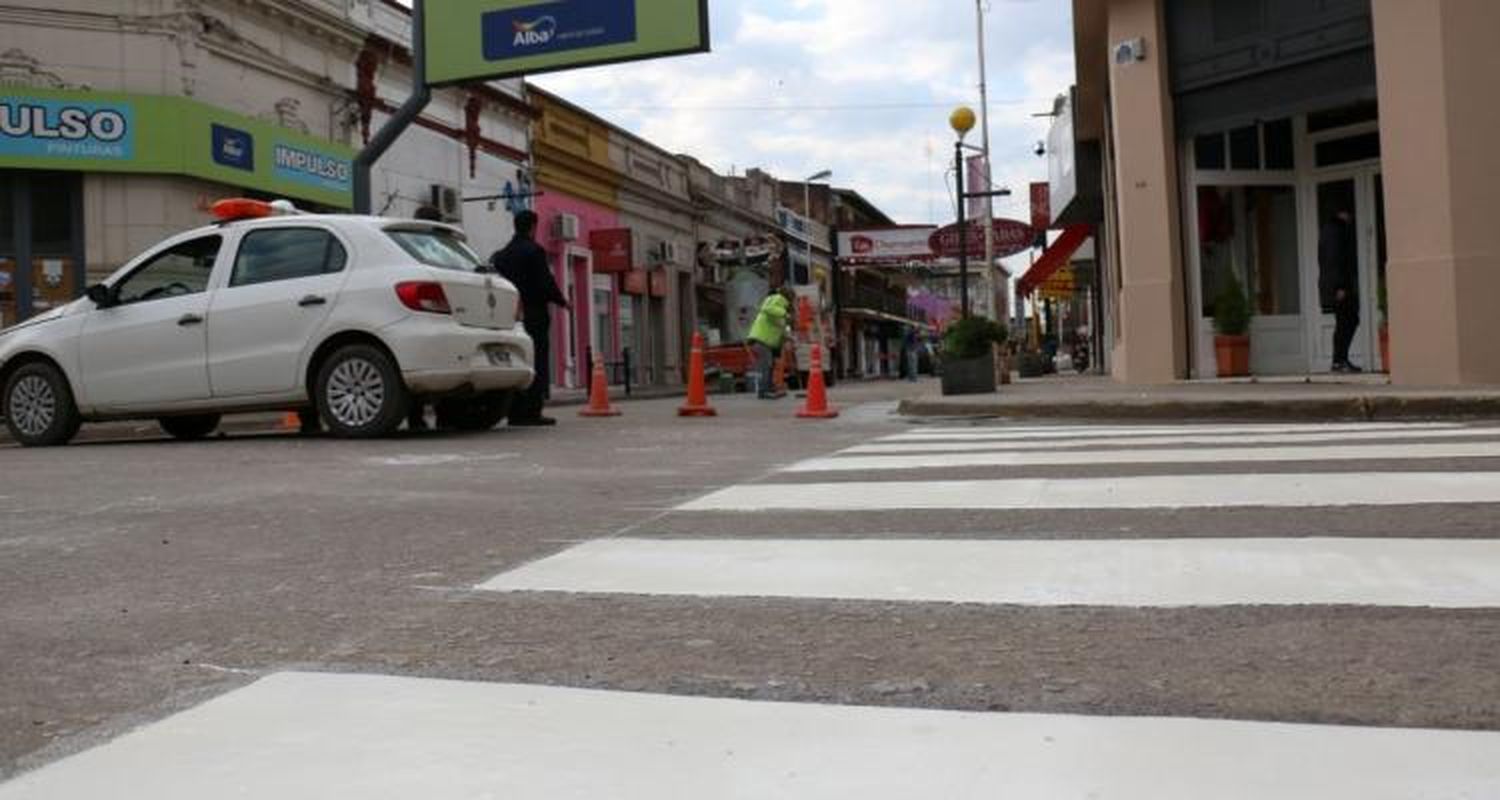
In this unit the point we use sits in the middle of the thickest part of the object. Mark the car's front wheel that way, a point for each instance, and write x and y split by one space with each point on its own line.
479 413
190 428
360 393
39 407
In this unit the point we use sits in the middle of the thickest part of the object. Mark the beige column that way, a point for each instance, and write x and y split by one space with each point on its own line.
1440 140
1152 346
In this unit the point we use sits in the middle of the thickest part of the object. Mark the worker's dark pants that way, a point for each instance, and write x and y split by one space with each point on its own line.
528 405
1346 316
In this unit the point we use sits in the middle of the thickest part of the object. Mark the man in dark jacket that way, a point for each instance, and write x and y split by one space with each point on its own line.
523 262
1338 283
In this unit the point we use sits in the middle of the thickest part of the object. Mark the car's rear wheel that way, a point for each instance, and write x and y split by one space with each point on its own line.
479 413
39 407
190 428
360 393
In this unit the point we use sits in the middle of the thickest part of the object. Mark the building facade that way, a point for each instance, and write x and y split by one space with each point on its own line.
120 127
1211 143
740 253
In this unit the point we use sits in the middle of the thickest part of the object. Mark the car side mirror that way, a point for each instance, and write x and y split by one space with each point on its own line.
102 295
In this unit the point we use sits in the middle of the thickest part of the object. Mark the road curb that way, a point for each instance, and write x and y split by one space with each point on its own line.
1363 408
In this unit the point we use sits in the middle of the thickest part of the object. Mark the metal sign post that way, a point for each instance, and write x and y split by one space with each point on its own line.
395 126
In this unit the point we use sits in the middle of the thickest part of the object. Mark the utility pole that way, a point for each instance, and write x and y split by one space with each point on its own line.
989 177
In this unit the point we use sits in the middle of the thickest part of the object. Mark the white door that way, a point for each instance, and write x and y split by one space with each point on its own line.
282 286
1356 192
150 347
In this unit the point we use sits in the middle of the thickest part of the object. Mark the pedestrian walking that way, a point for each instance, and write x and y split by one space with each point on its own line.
911 359
767 334
1338 283
523 262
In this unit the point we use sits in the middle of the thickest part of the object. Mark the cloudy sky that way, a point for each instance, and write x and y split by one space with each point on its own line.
862 87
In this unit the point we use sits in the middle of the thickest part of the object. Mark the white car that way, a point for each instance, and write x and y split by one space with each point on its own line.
354 317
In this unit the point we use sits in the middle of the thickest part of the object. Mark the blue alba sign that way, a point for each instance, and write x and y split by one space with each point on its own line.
556 27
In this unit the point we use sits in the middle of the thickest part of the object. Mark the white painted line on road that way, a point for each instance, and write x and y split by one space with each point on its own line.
1272 490
1218 455
1136 573
311 737
985 445
1080 431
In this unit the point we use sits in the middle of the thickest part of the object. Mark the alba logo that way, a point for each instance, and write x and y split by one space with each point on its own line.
537 32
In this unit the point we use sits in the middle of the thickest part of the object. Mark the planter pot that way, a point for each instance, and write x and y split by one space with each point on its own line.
969 375
1233 355
1385 347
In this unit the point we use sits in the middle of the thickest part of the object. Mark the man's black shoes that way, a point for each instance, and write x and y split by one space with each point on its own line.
533 422
1345 368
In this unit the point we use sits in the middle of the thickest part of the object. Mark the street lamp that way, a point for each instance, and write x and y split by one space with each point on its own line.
962 121
807 214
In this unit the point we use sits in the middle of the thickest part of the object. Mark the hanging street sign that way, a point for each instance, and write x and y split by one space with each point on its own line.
1011 237
474 40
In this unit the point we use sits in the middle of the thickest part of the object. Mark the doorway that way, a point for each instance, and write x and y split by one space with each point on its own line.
1360 193
41 242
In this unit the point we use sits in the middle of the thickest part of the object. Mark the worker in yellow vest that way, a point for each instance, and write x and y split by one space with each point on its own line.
767 334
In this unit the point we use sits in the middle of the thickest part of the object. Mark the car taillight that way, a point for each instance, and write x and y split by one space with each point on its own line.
424 296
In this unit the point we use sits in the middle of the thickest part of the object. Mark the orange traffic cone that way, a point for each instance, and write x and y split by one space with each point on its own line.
291 421
697 396
817 394
599 394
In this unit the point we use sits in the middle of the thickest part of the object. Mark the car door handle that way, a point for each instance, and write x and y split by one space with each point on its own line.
189 319
312 300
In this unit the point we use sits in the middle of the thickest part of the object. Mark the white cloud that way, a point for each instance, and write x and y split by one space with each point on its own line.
863 87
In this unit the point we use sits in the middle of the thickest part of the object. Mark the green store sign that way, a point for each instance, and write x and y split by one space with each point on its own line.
471 40
102 132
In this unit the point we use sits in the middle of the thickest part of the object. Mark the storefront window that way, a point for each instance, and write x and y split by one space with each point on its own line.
1251 232
8 311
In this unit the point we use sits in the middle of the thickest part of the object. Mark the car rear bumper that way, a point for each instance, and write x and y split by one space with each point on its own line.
439 356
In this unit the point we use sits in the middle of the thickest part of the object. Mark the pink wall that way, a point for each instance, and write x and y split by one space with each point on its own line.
591 216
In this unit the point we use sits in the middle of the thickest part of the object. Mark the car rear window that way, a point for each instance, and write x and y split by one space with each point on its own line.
437 248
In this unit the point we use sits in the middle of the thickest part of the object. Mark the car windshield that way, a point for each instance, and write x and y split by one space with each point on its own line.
436 247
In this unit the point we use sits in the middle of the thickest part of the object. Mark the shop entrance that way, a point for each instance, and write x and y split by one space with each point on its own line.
41 242
1360 193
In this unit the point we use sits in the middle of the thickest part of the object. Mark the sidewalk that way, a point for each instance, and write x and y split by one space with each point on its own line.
1301 398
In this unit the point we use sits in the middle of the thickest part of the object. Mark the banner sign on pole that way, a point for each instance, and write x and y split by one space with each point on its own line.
475 40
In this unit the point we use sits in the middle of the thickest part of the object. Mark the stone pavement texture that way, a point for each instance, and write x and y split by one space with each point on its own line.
1092 397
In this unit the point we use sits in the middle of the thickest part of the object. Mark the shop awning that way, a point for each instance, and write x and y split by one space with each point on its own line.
881 316
1054 258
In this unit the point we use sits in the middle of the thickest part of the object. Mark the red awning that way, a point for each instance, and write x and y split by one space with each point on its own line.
1055 257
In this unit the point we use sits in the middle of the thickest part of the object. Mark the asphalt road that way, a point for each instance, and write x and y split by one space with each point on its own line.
140 577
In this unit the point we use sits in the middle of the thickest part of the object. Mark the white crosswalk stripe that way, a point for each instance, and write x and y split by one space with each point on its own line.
1244 490
892 445
1077 431
1223 455
299 736
1135 573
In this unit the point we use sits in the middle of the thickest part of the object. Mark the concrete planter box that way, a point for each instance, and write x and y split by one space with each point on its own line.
969 376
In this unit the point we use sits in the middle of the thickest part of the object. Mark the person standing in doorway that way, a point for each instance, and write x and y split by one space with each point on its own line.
1338 283
766 336
523 262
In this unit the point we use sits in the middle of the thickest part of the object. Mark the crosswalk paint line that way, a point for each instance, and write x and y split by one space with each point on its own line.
1222 455
1272 490
1136 573
1080 431
295 736
919 446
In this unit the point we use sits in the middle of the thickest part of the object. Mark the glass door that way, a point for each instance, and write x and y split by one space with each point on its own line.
10 312
1348 224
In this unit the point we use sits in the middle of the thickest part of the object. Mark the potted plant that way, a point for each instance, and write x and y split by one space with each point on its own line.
969 355
1385 328
1232 324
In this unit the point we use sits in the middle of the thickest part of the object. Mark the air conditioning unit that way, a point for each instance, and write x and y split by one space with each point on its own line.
447 201
669 253
565 228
